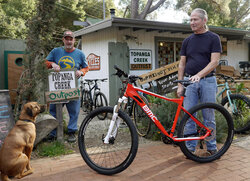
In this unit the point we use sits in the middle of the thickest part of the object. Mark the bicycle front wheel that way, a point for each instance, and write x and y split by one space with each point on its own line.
140 118
109 158
101 101
216 118
239 110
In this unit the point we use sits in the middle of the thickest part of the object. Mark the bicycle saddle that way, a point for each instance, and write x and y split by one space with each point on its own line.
244 64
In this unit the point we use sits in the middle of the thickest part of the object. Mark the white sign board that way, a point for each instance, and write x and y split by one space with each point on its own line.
140 59
62 80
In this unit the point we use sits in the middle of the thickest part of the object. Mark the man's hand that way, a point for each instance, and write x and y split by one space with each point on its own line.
180 90
195 78
55 67
78 74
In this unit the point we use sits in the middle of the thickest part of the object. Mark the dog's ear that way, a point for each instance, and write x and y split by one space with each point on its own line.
29 112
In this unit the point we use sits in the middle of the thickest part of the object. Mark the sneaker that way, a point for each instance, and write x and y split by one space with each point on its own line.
71 137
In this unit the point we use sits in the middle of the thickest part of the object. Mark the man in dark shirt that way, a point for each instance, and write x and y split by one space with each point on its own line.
200 54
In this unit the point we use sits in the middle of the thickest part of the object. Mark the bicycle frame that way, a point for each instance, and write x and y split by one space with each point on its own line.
132 92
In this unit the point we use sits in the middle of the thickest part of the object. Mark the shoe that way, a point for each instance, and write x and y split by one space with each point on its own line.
71 137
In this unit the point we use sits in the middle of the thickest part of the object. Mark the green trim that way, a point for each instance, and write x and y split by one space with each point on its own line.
6 53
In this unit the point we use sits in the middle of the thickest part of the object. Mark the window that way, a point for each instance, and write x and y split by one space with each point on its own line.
168 51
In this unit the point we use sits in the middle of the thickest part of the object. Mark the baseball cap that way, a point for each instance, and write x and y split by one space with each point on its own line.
68 33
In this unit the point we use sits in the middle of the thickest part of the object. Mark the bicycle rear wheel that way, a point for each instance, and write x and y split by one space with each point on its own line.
86 104
214 146
101 101
240 111
109 158
140 118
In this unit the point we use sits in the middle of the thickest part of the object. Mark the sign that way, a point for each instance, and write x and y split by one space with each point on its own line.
62 80
6 116
94 62
62 86
140 59
62 95
165 84
159 73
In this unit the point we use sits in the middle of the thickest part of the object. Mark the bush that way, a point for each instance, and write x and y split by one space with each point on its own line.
165 112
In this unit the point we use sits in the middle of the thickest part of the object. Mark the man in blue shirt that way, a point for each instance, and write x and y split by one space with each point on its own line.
200 54
68 57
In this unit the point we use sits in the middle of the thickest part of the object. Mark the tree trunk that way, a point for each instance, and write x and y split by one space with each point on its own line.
134 9
147 10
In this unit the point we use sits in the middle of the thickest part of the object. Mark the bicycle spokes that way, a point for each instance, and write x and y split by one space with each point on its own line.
219 131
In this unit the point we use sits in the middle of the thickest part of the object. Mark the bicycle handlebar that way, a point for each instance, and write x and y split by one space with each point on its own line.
94 80
225 77
120 73
185 83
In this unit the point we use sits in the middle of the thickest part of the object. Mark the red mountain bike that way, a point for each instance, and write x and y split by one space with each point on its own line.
109 147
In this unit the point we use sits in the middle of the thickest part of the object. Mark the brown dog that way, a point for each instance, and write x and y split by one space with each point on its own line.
17 147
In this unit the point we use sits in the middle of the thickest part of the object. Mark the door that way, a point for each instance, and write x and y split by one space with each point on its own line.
118 55
13 69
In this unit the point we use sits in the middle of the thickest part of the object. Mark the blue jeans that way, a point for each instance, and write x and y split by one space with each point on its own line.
73 108
200 92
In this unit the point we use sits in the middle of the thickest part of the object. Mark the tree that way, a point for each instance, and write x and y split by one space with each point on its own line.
226 13
15 13
140 9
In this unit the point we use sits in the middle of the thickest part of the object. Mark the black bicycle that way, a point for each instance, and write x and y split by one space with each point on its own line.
138 116
92 97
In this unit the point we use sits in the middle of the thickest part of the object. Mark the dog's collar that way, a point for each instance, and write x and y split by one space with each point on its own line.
26 120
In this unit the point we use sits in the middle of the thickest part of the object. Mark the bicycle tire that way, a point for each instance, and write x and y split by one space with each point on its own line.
222 133
107 159
100 101
141 120
241 118
86 104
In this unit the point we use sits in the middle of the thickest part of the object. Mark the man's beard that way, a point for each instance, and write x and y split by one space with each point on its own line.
68 46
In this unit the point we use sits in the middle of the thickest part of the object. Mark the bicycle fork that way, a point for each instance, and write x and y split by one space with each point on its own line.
111 134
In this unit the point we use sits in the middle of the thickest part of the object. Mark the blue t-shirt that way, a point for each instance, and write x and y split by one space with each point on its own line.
67 60
198 48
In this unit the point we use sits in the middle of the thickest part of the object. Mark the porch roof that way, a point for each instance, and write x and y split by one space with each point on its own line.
136 24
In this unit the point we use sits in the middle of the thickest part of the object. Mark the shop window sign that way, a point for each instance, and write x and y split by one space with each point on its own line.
140 59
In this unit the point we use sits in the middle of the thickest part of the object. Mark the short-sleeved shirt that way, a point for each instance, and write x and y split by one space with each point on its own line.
68 60
198 48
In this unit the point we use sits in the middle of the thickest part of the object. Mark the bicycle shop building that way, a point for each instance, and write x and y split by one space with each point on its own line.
140 46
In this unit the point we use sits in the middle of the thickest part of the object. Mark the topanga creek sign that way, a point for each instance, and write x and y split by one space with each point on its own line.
62 86
140 59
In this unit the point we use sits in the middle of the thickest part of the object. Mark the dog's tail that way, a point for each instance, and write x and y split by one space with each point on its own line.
4 177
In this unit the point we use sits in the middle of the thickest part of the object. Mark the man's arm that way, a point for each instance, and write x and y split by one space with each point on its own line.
52 65
181 69
215 57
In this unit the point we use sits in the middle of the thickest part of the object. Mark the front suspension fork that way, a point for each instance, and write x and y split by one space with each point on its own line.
112 133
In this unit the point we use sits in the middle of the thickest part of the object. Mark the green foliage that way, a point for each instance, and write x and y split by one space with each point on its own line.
14 14
52 149
165 112
226 13
239 88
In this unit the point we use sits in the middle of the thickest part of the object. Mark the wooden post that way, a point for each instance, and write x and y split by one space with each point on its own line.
59 117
